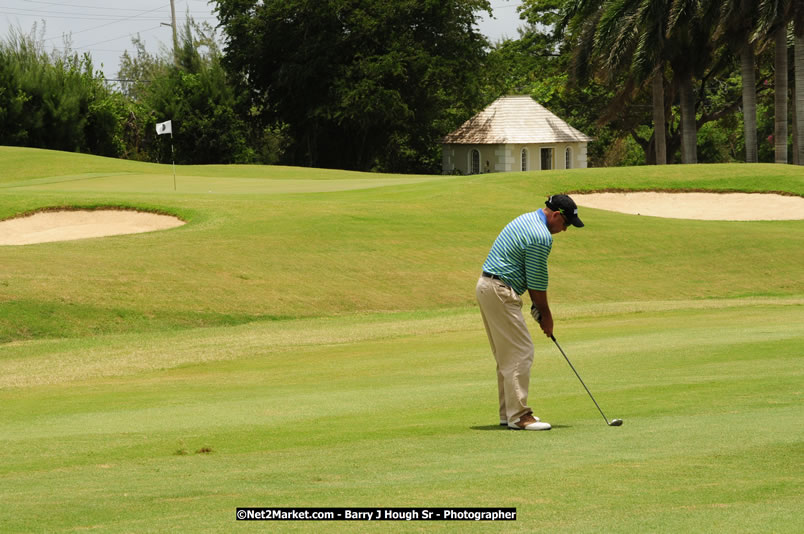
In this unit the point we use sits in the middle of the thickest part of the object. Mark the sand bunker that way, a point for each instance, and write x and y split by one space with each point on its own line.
702 206
48 226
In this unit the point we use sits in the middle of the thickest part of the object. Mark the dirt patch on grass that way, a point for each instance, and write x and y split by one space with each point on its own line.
701 206
68 225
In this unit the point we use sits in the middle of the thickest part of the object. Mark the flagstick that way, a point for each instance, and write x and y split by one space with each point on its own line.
173 157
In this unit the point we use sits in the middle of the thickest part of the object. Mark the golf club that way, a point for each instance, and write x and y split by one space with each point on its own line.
613 422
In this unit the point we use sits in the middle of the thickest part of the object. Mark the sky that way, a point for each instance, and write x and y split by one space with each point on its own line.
104 28
505 22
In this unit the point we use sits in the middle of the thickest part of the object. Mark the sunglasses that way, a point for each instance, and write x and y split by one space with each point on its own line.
566 220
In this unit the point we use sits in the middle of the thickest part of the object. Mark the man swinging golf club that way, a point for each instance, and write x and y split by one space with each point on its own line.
518 262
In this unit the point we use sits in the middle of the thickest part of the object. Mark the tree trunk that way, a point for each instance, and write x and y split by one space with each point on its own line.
780 96
799 69
795 124
659 127
749 102
689 130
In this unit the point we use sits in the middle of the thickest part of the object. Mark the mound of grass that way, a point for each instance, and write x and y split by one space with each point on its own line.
415 243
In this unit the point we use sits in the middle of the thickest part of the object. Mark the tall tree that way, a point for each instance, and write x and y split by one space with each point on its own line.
638 37
798 31
659 121
749 79
635 37
689 34
737 29
775 13
773 20
635 43
360 84
780 94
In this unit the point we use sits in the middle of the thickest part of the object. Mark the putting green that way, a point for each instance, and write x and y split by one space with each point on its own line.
189 184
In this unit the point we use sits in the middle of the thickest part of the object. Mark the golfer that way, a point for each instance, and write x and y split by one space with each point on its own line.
518 262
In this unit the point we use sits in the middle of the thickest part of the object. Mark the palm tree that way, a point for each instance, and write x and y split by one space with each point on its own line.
617 37
646 35
774 16
749 78
659 122
650 23
798 30
640 39
780 95
689 32
737 30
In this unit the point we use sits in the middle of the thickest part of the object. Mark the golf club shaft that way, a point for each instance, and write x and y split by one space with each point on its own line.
579 378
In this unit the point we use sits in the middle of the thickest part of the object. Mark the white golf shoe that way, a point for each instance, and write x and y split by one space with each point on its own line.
504 422
528 422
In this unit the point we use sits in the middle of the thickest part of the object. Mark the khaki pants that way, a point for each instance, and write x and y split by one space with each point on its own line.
511 344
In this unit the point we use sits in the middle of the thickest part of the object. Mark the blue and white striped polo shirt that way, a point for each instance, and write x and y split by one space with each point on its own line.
519 254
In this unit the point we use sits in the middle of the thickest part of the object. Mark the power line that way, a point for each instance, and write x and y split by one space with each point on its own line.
72 16
68 17
101 24
99 8
99 18
109 24
62 4
118 38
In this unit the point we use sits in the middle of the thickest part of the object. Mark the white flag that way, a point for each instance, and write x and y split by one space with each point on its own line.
164 128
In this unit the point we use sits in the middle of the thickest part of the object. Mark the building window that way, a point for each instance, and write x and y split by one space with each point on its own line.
524 159
475 166
547 159
568 158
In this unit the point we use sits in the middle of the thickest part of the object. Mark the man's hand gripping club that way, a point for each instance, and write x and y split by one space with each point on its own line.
540 311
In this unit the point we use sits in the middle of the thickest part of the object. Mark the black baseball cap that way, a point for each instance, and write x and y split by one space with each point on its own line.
567 207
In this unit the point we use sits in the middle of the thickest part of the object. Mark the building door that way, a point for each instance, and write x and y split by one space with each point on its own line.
475 169
547 159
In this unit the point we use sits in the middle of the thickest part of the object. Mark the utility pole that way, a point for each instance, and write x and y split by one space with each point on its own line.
175 39
173 26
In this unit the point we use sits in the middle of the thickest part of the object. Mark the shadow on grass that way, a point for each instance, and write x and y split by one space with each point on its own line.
500 427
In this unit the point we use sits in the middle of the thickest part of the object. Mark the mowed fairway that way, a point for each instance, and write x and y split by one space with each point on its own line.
310 339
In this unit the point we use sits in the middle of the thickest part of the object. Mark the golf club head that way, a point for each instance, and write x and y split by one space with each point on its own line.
616 422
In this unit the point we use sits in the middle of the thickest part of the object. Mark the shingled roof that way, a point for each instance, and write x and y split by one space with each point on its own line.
515 120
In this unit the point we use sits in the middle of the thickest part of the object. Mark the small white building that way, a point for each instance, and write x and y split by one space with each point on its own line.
514 133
